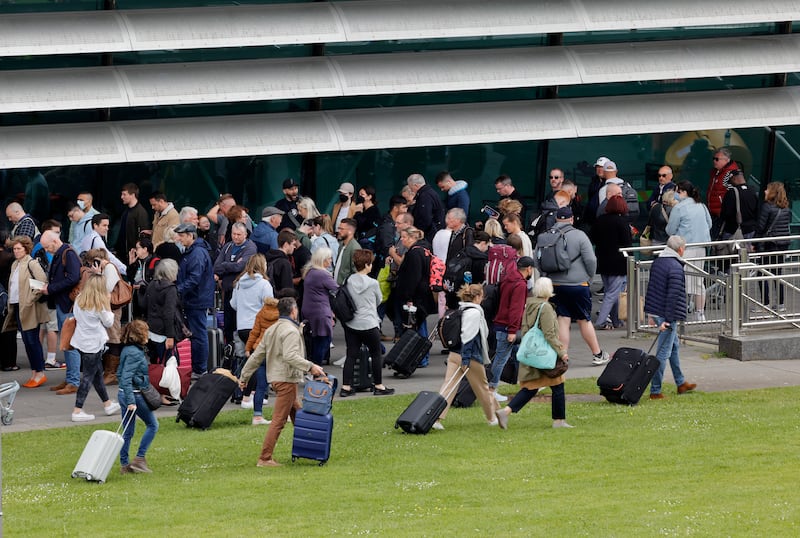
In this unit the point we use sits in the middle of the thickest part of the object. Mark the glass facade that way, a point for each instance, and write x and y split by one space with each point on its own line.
255 180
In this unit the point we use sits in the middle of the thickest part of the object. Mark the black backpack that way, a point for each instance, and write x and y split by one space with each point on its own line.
342 304
449 330
632 199
455 269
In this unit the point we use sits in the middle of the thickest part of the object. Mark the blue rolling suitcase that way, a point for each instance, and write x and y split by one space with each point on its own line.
312 436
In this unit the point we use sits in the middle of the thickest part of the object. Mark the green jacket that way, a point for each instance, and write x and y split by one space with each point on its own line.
548 322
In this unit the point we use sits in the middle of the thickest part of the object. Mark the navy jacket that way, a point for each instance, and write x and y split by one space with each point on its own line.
666 291
196 277
428 212
64 274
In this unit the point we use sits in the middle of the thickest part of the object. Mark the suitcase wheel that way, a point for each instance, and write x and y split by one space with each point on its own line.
294 459
396 425
74 475
323 463
88 477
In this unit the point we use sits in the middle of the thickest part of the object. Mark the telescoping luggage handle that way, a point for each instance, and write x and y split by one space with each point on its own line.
452 384
126 419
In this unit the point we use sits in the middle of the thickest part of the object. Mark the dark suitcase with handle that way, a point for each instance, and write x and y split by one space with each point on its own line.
312 436
408 352
205 399
362 370
427 407
216 349
627 375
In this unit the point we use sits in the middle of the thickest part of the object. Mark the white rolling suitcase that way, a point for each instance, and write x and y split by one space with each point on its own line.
101 452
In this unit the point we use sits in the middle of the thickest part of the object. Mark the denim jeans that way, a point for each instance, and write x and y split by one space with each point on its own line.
261 389
667 349
92 375
423 332
149 419
71 357
501 356
614 285
33 346
196 322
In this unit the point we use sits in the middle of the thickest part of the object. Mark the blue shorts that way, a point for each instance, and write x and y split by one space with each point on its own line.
574 302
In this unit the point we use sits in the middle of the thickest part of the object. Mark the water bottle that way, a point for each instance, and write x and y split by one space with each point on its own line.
467 277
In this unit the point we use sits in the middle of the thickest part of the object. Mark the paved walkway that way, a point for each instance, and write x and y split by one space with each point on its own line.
41 409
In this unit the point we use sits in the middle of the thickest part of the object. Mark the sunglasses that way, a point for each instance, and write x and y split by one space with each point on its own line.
663 175
719 159
555 177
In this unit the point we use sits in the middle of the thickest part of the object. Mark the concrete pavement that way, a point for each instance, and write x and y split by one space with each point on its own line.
41 409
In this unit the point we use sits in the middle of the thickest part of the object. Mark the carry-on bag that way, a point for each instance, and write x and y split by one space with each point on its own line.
627 375
362 371
205 399
102 451
216 349
318 394
465 396
312 436
427 407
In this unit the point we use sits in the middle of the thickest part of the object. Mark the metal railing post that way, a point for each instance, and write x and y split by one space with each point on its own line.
735 279
633 295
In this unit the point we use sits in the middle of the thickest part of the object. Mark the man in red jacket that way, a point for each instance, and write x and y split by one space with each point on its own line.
513 294
718 184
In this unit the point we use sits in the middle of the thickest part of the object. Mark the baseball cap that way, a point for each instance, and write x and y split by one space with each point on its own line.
525 261
564 213
289 183
186 228
347 187
270 211
601 161
610 166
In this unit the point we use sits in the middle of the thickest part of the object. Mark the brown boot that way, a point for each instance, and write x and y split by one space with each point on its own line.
110 365
139 465
125 469
59 386
69 388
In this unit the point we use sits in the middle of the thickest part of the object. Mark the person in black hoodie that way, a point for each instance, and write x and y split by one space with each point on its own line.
279 268
413 280
162 309
428 211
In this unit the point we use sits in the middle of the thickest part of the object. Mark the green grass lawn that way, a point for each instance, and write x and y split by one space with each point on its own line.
721 464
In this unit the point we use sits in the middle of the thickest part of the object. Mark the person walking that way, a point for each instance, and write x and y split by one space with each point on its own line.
283 344
133 379
665 300
25 312
531 380
93 316
364 328
473 355
610 233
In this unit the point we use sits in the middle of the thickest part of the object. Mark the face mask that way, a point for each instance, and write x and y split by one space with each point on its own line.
359 199
343 198
679 197
181 247
81 204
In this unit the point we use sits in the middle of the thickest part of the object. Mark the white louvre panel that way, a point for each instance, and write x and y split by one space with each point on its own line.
429 19
61 89
452 124
269 134
687 59
227 136
240 26
455 70
214 82
685 111
62 33
355 21
629 14
263 80
47 145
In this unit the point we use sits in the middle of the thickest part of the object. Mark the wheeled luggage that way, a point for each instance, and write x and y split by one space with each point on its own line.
627 375
101 452
318 394
465 396
408 352
205 399
427 407
312 436
362 371
216 349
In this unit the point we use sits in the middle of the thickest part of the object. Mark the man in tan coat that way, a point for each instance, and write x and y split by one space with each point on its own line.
283 345
165 218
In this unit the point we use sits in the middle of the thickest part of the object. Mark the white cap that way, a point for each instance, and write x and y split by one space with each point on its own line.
601 161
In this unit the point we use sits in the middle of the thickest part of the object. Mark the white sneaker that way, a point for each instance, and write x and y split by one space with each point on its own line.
561 424
438 425
111 409
247 404
265 401
493 423
260 421
602 359
82 417
340 362
499 397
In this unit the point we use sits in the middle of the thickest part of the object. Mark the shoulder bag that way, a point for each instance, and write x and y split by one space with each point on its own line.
534 350
152 397
122 293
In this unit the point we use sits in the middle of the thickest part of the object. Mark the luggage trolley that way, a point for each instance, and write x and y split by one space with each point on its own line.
8 391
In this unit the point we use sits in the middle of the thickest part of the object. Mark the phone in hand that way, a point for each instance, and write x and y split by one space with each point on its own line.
491 212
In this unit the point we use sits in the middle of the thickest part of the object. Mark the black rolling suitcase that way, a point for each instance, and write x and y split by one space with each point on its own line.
216 349
408 352
205 399
427 407
362 370
627 375
465 396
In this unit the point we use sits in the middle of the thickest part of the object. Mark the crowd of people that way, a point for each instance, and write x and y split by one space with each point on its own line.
274 276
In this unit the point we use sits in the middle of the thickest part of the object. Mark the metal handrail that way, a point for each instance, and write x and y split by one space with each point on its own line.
626 251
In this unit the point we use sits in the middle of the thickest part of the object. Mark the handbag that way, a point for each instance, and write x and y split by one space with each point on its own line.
122 294
152 397
182 332
67 330
384 282
559 370
534 350
318 394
